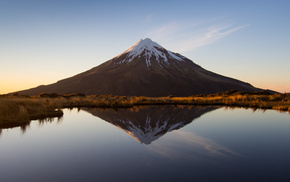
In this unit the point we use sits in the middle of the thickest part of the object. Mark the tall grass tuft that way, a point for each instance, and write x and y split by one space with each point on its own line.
17 110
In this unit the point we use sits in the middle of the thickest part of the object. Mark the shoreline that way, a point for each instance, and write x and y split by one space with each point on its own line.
18 110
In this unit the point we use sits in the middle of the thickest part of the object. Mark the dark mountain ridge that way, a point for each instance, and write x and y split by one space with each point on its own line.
145 69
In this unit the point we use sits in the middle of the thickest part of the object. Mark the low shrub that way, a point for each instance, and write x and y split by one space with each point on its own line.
49 95
74 95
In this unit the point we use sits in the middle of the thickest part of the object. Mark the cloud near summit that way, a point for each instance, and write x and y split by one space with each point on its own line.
187 36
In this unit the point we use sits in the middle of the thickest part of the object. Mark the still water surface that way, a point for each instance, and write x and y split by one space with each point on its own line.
150 144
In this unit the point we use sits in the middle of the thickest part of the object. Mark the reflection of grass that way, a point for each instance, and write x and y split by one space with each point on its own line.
17 108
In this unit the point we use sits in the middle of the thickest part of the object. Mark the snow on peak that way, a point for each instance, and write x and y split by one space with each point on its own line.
141 45
148 48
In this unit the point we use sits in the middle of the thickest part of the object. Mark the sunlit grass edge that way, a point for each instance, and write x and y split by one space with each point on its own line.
16 109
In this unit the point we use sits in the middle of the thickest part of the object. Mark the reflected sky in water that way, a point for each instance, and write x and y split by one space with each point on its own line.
192 144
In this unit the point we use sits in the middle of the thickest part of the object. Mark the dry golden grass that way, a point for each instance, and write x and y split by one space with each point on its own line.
15 111
18 109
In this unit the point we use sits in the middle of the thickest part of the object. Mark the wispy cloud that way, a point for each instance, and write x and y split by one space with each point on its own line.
189 35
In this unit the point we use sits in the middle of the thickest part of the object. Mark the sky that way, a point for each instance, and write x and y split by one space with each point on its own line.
43 41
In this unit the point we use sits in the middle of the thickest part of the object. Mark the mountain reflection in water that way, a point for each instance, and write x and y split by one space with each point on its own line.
148 123
223 145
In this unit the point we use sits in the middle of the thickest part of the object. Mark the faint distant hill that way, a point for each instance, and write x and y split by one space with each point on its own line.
145 69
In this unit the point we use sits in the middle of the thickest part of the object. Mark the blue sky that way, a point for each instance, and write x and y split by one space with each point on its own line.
43 41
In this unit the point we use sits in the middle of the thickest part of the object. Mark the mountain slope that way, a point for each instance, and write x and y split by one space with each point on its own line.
145 69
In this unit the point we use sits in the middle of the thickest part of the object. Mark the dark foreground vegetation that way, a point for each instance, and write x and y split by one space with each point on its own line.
16 109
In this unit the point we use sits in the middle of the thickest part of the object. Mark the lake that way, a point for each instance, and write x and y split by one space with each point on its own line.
152 143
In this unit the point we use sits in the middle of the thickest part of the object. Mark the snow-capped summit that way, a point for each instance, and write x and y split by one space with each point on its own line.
147 44
151 51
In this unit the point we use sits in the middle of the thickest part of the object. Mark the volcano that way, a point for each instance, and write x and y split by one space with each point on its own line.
145 69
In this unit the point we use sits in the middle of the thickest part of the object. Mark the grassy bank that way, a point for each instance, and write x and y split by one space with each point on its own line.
16 109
